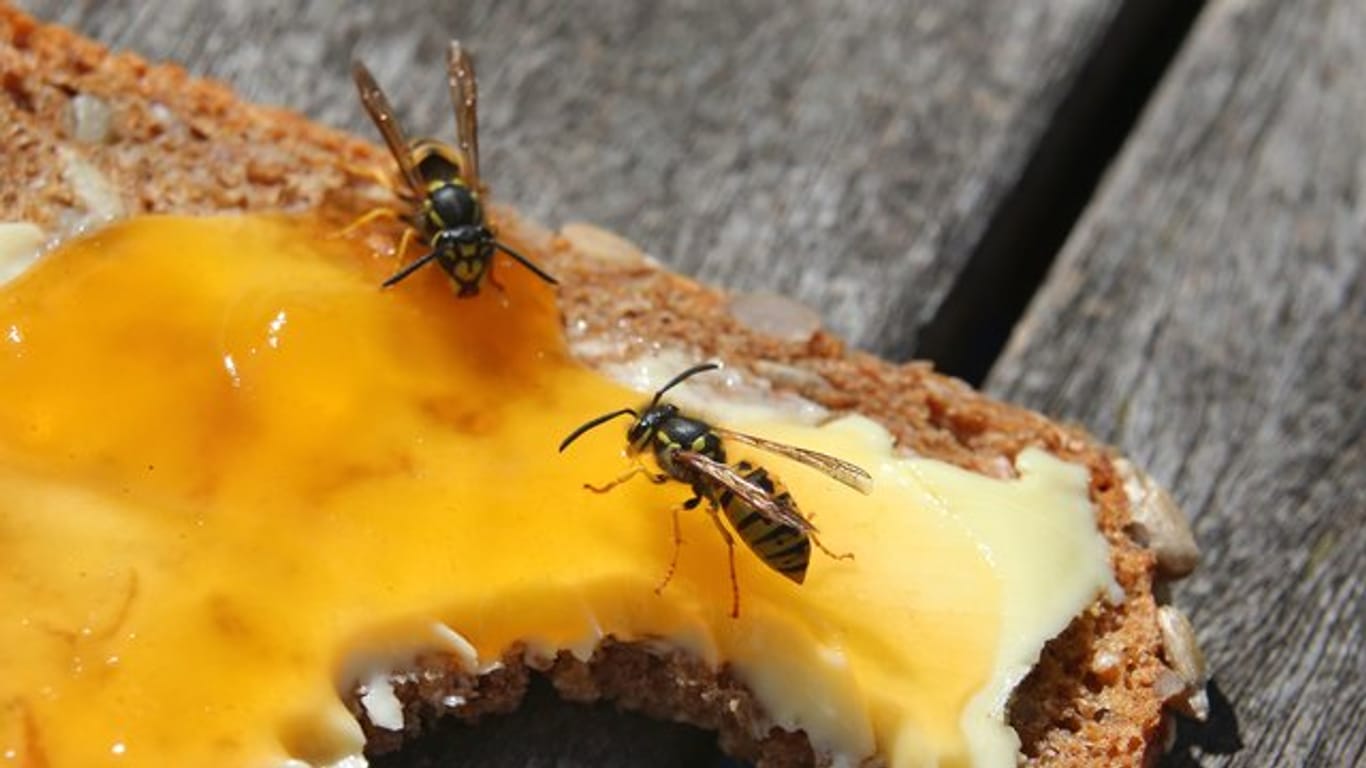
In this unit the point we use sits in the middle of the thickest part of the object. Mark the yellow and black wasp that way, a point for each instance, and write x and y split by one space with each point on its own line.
441 185
759 509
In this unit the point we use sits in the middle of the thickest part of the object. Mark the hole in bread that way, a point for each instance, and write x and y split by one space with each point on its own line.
546 730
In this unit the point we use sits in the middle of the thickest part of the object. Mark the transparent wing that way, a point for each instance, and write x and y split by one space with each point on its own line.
378 107
757 498
465 98
853 476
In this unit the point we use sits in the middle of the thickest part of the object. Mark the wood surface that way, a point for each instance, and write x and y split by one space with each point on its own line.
1209 317
850 154
884 162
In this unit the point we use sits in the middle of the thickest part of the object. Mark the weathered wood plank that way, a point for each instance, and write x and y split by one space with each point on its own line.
1209 317
849 154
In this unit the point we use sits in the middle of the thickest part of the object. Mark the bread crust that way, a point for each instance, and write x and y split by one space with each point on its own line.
178 144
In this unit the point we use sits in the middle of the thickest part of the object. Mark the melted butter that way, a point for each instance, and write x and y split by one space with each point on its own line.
236 477
1036 536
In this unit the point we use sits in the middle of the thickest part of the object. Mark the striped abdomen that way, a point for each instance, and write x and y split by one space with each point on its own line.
783 548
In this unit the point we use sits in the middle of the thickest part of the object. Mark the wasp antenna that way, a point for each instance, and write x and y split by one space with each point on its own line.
524 261
593 423
682 377
408 270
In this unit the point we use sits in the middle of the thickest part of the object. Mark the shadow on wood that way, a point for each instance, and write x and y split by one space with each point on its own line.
1219 735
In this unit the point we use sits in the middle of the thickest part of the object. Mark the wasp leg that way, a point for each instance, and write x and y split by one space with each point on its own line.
366 218
730 554
638 469
403 243
826 550
678 544
371 172
688 505
383 179
493 281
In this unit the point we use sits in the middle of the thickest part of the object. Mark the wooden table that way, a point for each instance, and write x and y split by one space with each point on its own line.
965 182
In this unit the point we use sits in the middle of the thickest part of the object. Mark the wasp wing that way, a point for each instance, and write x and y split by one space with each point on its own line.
465 99
757 498
851 475
372 97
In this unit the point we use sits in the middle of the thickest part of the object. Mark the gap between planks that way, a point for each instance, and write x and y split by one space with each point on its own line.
1084 135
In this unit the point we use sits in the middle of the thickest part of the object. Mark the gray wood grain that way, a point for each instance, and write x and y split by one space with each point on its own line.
1209 317
850 154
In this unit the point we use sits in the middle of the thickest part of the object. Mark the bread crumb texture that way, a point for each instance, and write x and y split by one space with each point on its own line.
162 141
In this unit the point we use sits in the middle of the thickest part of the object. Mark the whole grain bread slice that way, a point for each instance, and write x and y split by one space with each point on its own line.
87 135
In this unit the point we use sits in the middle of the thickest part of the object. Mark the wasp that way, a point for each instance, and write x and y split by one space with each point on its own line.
756 505
441 187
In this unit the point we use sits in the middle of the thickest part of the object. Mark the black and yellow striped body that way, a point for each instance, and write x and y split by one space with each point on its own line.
757 507
783 548
450 217
440 187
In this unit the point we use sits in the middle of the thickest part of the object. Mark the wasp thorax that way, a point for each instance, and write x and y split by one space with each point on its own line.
452 204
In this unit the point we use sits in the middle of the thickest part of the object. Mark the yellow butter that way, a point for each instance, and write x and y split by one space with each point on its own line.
1035 534
236 479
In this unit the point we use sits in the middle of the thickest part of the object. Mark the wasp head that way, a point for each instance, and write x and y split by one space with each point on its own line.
651 419
648 420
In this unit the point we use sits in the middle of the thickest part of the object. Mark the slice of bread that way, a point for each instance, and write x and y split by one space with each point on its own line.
86 136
